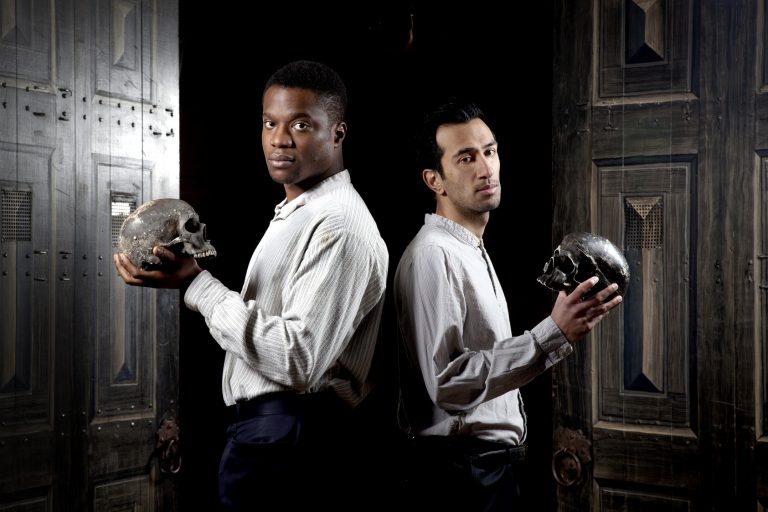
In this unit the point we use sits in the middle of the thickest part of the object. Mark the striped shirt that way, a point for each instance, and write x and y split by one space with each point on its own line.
307 318
465 366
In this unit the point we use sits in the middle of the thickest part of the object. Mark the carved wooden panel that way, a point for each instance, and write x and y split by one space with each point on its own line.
27 41
761 281
124 336
26 285
644 368
645 47
762 290
124 41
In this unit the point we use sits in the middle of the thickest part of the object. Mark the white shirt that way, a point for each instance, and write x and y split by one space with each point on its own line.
465 364
308 315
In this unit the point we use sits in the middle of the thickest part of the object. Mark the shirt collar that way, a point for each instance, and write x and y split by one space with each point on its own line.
454 228
285 207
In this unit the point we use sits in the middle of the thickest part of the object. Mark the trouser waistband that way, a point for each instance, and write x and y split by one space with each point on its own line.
283 402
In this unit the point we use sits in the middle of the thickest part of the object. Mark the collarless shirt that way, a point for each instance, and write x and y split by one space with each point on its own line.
464 366
308 315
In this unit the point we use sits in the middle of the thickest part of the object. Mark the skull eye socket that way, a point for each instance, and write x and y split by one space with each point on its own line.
192 225
563 263
586 269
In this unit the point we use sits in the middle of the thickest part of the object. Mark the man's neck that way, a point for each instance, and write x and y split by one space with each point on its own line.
294 190
473 222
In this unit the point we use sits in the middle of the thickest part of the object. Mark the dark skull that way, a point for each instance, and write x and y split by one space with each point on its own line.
581 256
169 223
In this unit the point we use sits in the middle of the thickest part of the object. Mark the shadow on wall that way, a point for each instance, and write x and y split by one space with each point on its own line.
395 60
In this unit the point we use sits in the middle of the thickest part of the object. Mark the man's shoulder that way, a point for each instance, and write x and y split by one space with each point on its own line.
344 214
431 243
342 204
432 236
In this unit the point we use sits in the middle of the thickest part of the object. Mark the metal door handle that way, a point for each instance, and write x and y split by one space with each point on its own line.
168 447
571 456
566 467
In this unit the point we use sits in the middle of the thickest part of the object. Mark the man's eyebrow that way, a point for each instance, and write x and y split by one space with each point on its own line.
293 115
469 149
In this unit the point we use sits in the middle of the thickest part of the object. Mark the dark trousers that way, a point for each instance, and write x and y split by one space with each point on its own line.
464 473
298 449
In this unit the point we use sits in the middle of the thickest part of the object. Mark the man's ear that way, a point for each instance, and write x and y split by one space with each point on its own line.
434 180
339 132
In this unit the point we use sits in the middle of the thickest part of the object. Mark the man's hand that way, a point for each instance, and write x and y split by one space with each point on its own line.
575 316
177 270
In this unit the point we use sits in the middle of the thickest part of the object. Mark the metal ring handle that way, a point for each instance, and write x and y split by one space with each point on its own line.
566 467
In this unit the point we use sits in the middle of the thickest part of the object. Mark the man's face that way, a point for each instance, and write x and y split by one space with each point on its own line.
470 163
300 143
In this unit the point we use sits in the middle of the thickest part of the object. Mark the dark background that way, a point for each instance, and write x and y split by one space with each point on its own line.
226 57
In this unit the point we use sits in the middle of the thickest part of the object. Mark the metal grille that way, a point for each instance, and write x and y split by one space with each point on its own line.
122 206
16 215
644 222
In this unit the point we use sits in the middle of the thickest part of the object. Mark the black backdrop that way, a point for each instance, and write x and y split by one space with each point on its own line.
227 56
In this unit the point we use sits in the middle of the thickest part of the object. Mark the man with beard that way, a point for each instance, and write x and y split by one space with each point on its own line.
463 367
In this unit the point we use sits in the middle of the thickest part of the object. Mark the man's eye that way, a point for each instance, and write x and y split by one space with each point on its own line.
301 126
269 124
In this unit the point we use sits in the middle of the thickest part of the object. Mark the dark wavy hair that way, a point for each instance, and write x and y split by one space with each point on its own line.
454 111
317 77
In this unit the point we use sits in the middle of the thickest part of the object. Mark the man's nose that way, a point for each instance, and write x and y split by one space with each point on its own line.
487 168
281 137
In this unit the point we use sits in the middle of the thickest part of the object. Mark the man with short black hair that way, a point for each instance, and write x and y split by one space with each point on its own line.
300 336
464 368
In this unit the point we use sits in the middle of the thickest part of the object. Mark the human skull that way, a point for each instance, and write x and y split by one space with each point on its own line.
167 222
581 256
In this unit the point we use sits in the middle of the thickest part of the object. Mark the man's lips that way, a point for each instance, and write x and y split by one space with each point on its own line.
280 161
489 189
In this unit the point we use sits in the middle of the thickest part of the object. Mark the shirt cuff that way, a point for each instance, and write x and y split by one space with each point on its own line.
204 293
551 340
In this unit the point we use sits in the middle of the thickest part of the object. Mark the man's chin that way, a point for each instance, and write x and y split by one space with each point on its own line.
491 205
281 177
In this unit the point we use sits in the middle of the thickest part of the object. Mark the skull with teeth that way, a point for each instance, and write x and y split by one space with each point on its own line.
167 222
581 256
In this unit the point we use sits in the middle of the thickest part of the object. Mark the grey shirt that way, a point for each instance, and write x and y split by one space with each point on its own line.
307 317
464 366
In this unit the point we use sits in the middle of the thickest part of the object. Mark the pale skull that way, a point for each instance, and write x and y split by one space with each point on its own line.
581 256
166 222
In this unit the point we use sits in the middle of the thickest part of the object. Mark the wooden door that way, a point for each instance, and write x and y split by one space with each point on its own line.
659 132
88 368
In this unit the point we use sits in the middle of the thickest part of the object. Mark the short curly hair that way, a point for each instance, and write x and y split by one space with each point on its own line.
317 77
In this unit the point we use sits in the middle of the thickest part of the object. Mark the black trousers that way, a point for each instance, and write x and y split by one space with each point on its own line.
464 473
299 450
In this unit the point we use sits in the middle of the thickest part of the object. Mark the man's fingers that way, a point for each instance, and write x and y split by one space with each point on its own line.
124 266
580 291
164 253
607 292
596 313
